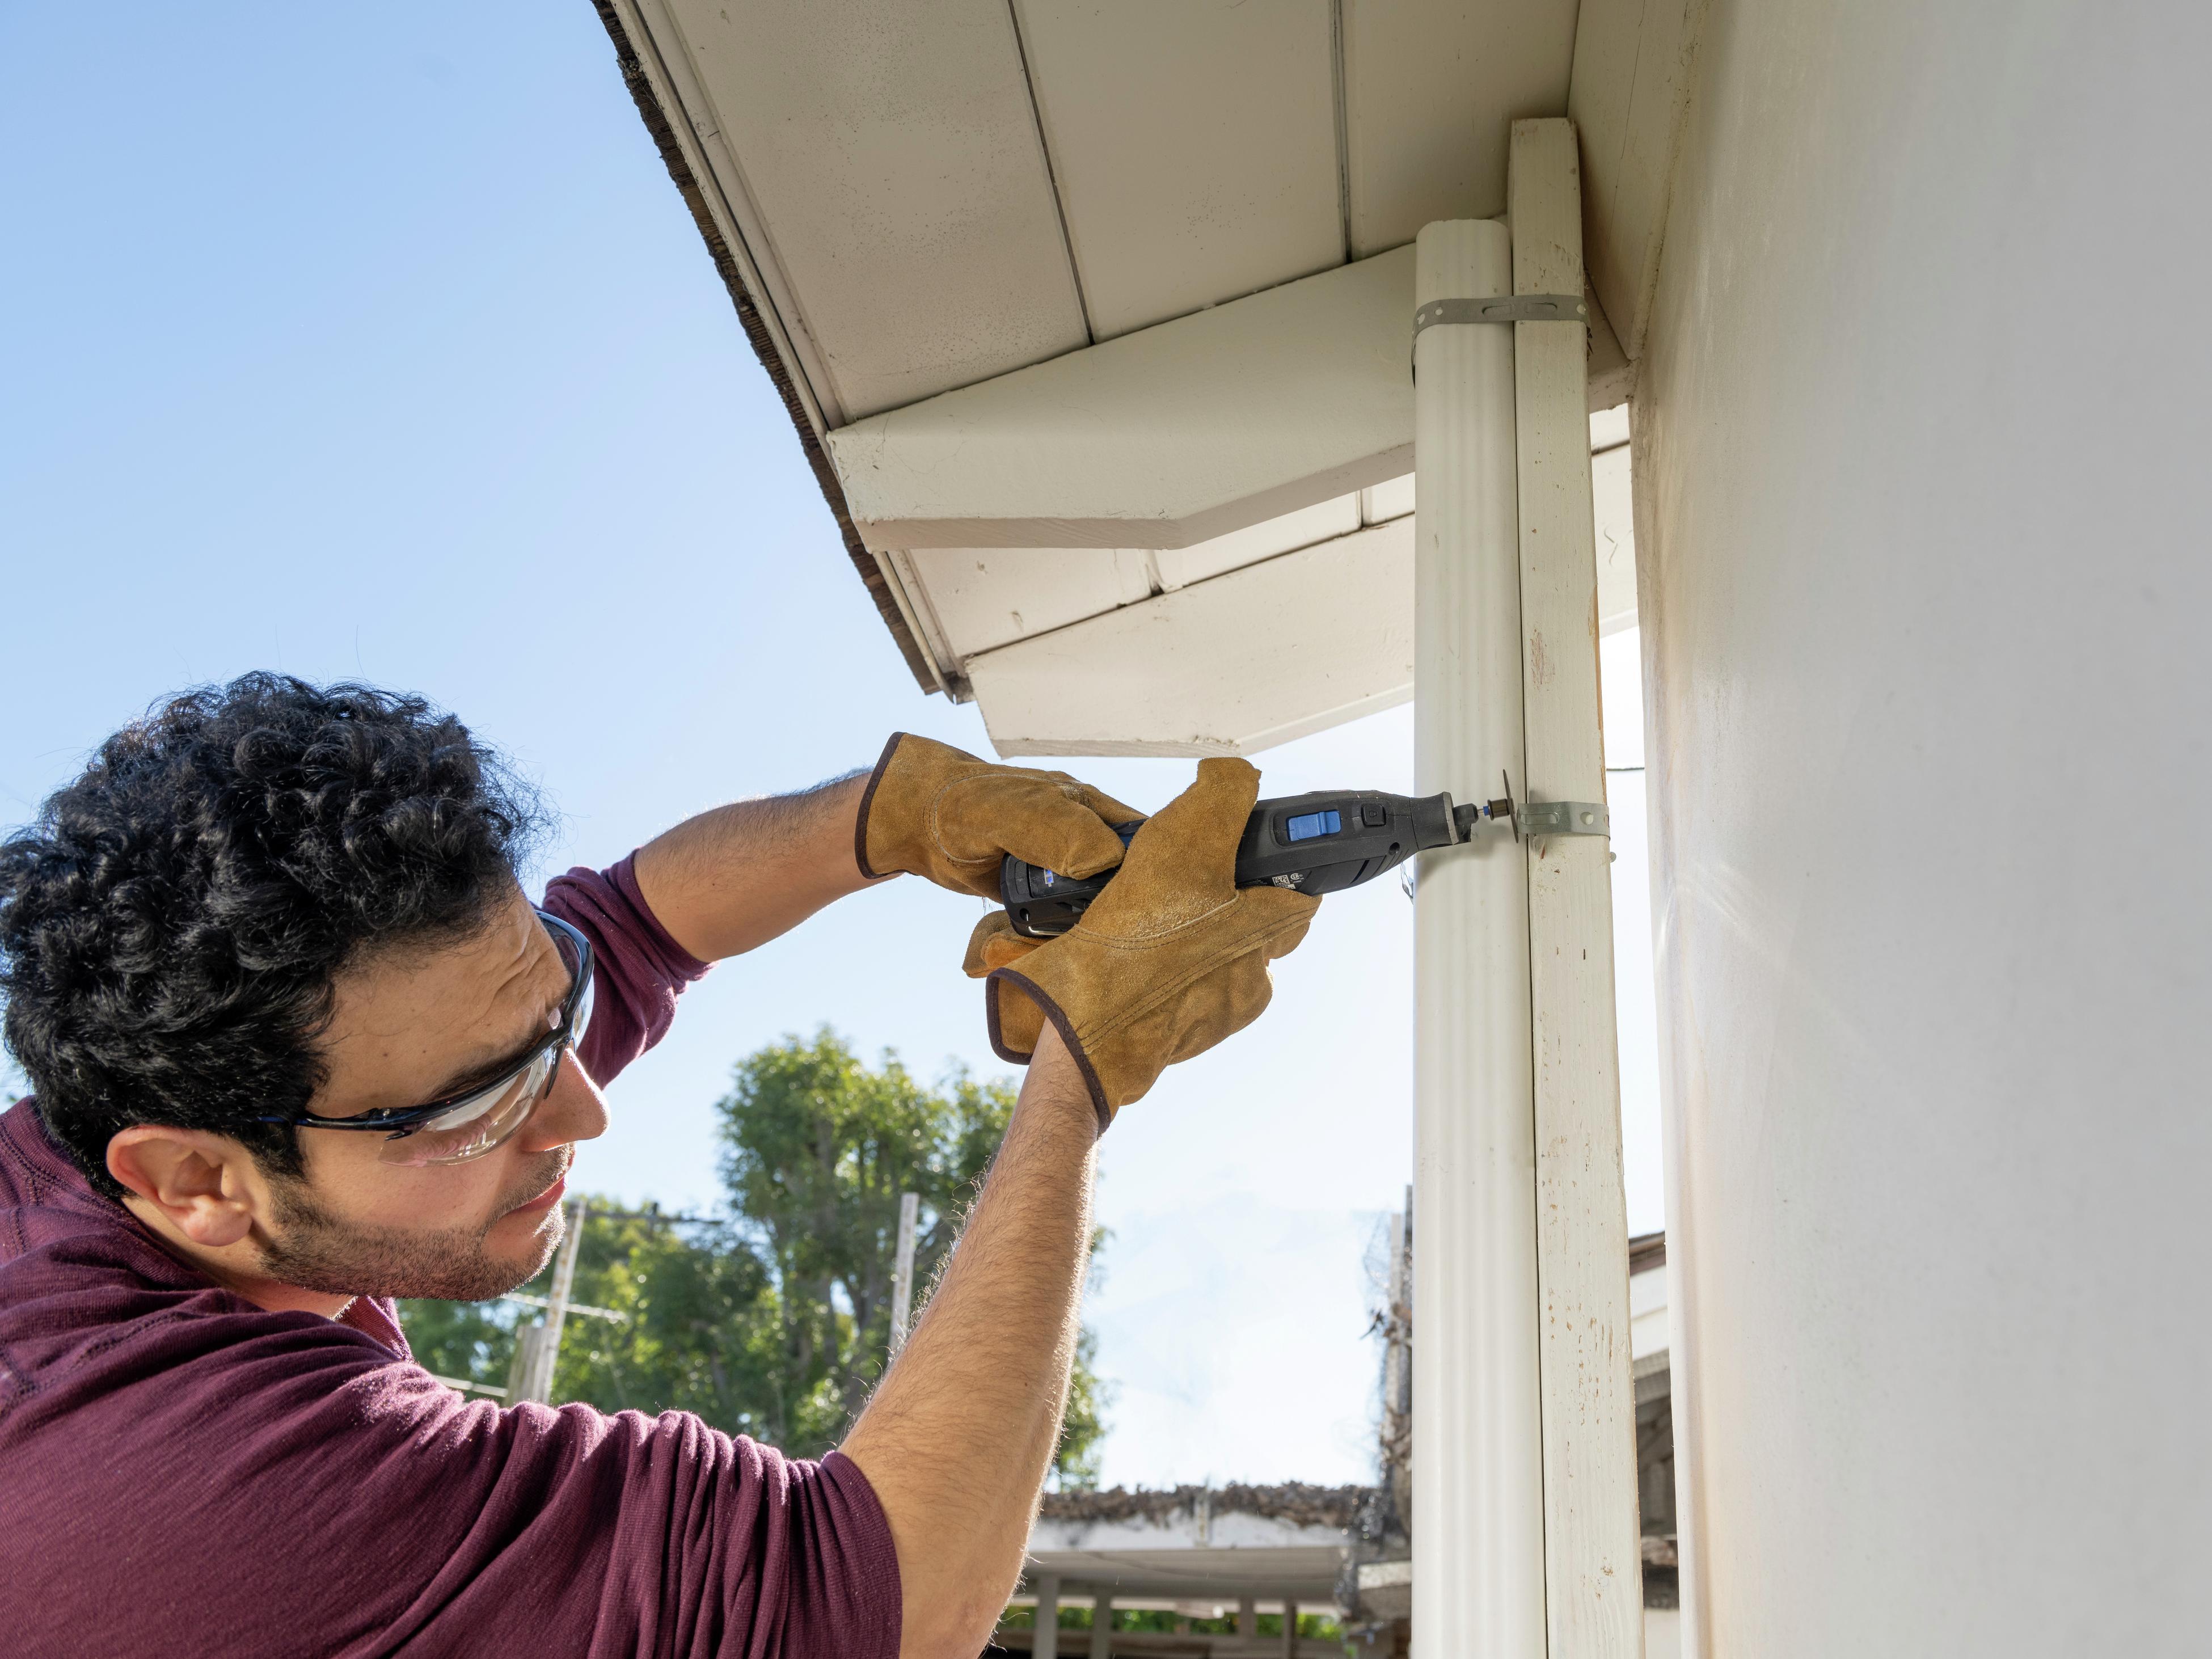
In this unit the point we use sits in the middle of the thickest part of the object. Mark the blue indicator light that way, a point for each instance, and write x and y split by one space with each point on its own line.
1307 825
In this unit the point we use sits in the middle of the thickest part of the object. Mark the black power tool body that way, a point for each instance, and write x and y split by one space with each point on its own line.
1318 843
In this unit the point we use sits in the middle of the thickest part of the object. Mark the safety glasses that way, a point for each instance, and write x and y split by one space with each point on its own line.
468 1125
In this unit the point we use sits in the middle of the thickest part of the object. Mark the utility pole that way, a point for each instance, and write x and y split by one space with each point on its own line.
903 1270
1397 1367
537 1346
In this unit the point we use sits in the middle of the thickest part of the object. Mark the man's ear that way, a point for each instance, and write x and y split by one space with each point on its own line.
201 1183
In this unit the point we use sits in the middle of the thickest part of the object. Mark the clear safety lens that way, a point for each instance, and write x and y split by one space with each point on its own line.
473 1127
470 1127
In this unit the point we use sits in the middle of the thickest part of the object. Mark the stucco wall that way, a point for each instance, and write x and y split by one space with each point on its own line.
1921 467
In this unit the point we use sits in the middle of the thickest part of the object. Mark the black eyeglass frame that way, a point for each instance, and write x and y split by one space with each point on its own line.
402 1121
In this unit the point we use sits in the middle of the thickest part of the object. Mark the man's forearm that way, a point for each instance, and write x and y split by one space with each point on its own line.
957 1439
734 877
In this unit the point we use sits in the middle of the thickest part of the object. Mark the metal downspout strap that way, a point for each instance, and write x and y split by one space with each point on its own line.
1499 308
1504 309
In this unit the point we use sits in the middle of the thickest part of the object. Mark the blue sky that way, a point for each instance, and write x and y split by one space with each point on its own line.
374 342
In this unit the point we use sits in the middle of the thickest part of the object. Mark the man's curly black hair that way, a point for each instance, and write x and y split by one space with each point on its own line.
172 923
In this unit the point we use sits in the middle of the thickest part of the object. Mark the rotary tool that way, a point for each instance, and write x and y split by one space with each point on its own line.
1322 842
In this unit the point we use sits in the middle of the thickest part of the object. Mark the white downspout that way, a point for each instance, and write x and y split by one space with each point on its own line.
1478 1521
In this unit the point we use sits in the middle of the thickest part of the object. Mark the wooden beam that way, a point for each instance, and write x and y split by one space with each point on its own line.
1161 438
1593 1600
1168 437
1612 376
1628 96
1229 666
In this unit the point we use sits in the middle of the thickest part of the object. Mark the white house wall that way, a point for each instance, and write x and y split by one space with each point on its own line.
1924 598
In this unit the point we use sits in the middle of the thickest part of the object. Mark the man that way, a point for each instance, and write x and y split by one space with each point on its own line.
298 1045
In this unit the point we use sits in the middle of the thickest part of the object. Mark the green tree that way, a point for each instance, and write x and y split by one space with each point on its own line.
693 1328
463 1341
818 1147
1075 1466
774 1321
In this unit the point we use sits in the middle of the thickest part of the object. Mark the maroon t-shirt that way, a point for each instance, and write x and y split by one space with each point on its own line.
182 1471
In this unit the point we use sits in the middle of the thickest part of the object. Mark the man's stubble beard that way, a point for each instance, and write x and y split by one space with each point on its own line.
312 1250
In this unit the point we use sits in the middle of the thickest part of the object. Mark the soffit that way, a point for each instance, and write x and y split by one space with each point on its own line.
979 598
890 158
976 599
1194 147
918 199
1431 91
934 194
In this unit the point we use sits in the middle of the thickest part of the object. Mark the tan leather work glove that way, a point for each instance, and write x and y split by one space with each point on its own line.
1016 1022
934 811
1169 960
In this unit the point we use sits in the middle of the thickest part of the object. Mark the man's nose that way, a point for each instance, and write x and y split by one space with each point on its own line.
572 1109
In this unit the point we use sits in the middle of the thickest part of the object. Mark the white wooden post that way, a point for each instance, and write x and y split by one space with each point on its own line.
1593 1568
903 1270
1044 1641
1102 1627
1478 1471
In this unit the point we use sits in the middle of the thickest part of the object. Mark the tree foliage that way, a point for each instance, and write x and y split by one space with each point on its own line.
817 1149
773 1319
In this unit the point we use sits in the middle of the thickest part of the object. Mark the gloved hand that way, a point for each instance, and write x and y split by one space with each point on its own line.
930 810
1016 1022
1169 960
